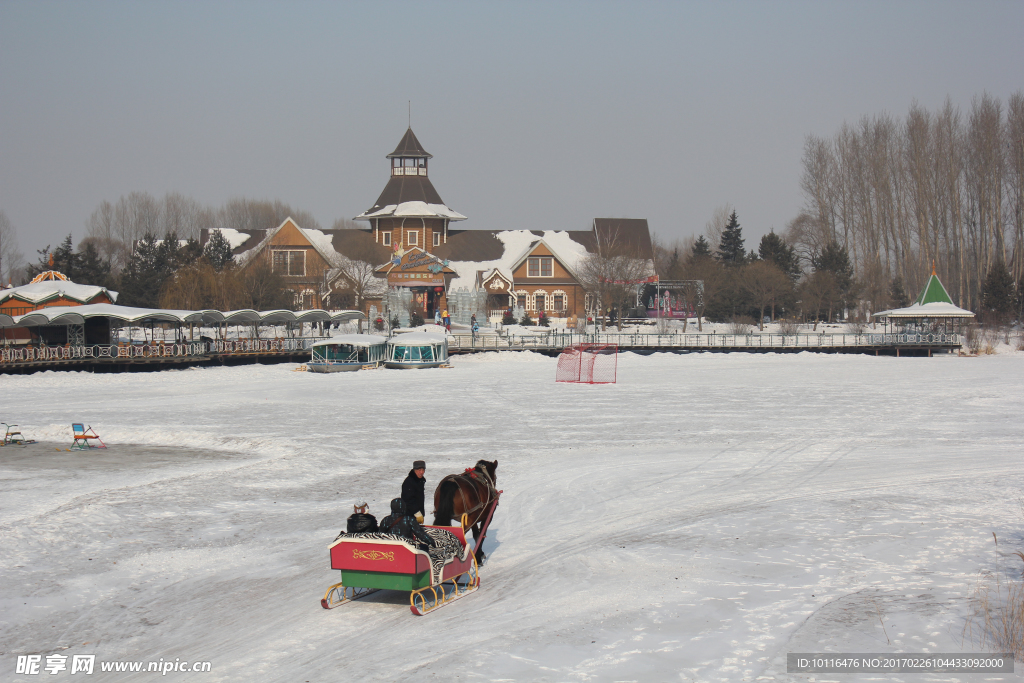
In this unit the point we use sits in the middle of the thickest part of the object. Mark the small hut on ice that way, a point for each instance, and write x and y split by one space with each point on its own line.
932 313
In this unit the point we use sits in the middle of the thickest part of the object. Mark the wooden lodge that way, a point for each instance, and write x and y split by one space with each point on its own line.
410 245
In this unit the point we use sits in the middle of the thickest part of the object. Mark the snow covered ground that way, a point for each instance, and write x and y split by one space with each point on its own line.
697 520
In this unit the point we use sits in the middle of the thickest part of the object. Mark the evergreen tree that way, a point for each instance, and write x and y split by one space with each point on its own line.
730 249
41 266
835 260
65 260
898 294
217 250
774 249
526 320
701 249
997 298
190 252
151 263
92 268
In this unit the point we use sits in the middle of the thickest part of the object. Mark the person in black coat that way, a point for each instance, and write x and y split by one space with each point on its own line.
412 490
402 524
361 521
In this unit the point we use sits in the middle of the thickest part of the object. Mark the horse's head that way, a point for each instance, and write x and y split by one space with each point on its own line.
489 467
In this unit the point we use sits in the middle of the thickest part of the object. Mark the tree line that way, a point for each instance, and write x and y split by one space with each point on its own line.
943 187
766 282
134 247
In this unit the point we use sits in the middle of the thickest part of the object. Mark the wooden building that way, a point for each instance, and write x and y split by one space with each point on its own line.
46 290
410 244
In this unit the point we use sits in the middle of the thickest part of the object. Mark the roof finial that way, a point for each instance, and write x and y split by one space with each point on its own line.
410 113
933 266
51 260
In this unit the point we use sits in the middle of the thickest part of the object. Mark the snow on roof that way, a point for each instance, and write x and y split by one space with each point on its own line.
517 243
414 210
234 237
38 292
934 310
354 340
77 315
321 242
418 338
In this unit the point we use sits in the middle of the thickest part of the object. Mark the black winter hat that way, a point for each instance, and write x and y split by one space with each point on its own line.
419 465
398 506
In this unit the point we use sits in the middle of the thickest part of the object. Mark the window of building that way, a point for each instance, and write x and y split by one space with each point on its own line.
540 266
558 302
437 239
290 262
385 238
414 238
521 300
307 299
541 301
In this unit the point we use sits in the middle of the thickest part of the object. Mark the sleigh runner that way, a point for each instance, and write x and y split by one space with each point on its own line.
435 577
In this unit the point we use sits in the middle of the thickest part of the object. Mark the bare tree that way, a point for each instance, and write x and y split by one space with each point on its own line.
346 224
249 214
821 293
935 187
765 284
359 279
11 259
184 216
612 273
261 288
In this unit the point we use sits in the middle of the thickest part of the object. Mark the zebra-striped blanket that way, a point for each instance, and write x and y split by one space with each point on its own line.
447 547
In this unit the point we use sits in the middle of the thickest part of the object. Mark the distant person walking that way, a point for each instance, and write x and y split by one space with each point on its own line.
447 320
437 316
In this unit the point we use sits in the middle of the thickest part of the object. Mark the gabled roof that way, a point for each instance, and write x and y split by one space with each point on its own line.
409 147
533 247
320 242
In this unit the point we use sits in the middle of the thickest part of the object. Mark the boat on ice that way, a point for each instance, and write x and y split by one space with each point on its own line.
347 352
416 350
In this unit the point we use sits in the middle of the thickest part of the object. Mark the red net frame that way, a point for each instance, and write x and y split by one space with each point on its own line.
588 364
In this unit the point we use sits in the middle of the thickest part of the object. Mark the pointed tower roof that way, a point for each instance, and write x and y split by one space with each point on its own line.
410 148
934 292
409 192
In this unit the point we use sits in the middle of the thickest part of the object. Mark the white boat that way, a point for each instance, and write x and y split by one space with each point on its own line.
416 350
347 352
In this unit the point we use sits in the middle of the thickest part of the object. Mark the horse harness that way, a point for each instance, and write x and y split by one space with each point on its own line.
470 474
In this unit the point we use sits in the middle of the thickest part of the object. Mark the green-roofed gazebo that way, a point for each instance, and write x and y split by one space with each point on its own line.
933 312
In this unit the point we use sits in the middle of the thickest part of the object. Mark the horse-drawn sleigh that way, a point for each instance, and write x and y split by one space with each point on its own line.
434 576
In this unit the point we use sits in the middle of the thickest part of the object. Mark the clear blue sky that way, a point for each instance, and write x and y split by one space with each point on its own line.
539 115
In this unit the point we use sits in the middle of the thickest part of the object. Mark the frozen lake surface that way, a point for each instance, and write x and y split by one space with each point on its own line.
697 520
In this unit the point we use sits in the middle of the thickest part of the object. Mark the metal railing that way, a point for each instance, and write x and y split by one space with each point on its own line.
539 341
183 350
559 340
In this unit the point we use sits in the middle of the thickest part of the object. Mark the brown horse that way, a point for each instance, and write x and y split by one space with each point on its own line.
470 493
